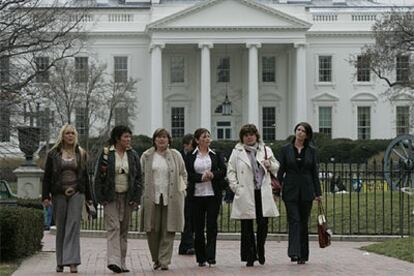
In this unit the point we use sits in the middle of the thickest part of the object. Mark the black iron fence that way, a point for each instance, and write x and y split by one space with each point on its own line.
357 199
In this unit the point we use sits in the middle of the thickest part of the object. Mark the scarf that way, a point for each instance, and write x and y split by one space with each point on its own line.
258 171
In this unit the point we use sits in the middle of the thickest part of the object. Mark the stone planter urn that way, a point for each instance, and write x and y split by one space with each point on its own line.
28 175
29 138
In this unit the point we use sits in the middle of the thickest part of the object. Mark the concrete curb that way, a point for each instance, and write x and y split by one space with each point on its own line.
236 236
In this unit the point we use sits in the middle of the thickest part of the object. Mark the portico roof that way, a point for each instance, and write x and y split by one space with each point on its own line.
214 15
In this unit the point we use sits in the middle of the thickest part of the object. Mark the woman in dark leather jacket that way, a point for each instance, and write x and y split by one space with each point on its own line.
66 184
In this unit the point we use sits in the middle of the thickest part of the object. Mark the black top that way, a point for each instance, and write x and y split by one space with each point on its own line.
299 178
218 168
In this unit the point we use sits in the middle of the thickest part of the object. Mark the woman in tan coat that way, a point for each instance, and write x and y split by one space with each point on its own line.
249 178
165 179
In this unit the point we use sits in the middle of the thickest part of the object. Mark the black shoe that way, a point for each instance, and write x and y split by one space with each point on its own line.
262 260
125 270
202 264
250 263
115 268
211 262
156 265
164 267
59 268
294 258
301 261
190 251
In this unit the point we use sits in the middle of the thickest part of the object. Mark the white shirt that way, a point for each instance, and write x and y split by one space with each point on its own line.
201 165
160 174
121 173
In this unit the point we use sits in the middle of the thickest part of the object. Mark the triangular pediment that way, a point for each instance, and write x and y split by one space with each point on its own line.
325 97
229 14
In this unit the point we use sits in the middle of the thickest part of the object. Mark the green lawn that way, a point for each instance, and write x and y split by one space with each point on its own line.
371 213
402 248
8 268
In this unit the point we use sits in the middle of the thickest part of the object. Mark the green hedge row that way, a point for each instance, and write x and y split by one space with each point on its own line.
21 232
343 150
30 203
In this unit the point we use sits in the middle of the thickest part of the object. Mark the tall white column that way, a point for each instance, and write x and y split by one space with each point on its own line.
156 86
253 92
300 92
205 99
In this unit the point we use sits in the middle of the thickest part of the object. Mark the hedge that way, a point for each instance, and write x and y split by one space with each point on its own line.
342 149
30 203
21 232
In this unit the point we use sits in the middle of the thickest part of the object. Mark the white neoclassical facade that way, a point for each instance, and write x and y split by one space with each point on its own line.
219 64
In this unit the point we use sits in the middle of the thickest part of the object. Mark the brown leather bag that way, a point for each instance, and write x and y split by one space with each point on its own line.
276 186
324 233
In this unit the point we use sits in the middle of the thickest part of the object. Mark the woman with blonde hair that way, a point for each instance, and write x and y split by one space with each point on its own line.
66 184
165 179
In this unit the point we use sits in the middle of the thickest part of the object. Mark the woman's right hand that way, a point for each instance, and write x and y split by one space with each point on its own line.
46 203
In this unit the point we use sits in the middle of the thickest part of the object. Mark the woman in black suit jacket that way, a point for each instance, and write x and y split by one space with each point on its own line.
298 173
206 171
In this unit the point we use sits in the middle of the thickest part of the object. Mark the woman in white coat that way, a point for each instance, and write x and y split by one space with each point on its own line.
249 178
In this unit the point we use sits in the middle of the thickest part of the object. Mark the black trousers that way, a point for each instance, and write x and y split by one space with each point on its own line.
252 248
205 210
187 239
298 213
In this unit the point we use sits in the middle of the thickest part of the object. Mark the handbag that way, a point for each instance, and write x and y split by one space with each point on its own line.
274 182
324 233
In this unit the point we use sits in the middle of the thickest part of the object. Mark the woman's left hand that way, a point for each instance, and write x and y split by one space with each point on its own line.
266 163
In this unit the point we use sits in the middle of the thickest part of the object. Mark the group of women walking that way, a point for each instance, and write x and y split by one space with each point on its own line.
163 179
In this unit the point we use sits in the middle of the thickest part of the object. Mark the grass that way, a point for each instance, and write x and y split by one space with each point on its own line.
401 248
365 213
7 268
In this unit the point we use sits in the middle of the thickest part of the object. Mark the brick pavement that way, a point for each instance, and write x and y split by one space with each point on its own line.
341 258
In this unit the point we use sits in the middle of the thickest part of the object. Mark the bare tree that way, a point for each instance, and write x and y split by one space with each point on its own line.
389 56
33 28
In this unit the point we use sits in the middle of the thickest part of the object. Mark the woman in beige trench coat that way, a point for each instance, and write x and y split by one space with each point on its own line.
249 178
165 179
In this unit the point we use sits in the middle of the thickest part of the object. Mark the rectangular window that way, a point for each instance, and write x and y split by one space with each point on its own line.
42 64
4 123
268 69
325 120
403 120
223 70
81 120
4 70
364 122
121 116
177 122
223 130
403 68
177 69
269 123
325 68
121 69
363 71
81 69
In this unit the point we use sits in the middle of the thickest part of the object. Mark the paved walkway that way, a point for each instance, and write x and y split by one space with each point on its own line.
341 258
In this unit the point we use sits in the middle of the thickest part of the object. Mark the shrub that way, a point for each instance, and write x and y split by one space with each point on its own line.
21 232
30 203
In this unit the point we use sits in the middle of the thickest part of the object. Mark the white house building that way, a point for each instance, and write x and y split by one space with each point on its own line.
219 64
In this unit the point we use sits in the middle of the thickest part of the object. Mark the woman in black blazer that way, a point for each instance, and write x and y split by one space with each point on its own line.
298 173
206 171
